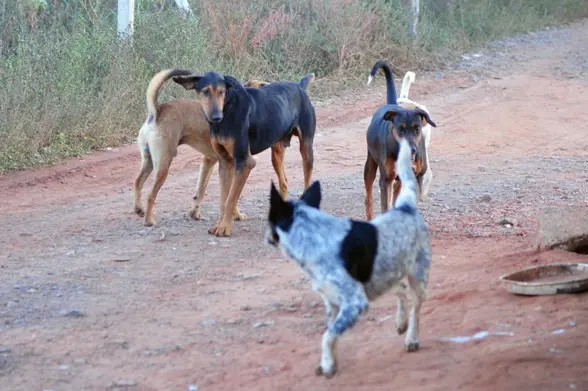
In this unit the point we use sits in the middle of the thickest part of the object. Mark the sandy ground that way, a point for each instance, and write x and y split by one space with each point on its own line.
92 300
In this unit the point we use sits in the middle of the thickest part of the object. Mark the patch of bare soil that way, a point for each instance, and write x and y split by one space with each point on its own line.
92 300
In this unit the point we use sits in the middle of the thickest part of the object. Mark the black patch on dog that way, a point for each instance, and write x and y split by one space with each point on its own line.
150 118
406 209
281 213
359 249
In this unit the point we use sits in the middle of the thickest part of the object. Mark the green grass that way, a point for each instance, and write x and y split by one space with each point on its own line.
68 86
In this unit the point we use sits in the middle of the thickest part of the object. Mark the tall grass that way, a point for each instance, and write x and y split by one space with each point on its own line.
69 87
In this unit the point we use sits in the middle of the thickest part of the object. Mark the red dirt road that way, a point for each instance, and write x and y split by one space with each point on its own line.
92 300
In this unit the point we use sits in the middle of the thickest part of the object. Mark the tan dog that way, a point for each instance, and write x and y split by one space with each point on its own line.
167 126
255 84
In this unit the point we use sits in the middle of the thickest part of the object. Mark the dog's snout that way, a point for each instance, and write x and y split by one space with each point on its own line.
413 151
216 117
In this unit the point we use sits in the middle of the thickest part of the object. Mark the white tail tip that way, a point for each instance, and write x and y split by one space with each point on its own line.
411 76
370 78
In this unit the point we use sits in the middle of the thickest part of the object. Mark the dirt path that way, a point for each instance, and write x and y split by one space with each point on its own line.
231 314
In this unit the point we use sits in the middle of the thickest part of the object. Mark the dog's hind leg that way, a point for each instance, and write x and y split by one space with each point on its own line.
206 167
401 319
330 309
307 153
146 169
369 176
161 172
278 152
418 295
418 289
348 315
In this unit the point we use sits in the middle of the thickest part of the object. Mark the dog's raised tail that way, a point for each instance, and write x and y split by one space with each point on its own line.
155 85
305 81
409 78
390 88
407 199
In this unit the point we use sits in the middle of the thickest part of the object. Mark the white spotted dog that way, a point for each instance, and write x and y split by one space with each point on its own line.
351 263
409 78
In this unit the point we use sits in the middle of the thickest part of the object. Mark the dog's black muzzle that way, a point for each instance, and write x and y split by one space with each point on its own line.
216 118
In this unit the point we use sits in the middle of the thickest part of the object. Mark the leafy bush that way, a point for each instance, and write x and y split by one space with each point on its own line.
68 86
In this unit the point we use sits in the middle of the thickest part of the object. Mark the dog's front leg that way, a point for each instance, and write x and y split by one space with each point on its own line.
225 171
347 317
242 171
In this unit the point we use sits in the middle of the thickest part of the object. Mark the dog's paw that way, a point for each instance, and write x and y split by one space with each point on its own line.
139 210
195 213
411 346
401 328
149 221
238 216
221 230
328 373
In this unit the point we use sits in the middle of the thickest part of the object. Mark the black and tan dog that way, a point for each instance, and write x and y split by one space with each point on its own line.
247 121
168 126
389 123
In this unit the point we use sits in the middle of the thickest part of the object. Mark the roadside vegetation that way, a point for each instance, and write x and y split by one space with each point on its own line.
69 87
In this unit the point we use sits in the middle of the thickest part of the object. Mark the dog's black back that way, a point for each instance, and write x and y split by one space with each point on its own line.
276 111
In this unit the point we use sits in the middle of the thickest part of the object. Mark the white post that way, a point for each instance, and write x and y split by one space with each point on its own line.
184 6
414 15
125 18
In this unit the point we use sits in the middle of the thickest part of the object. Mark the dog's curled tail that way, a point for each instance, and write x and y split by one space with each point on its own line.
154 86
305 81
409 78
390 88
407 199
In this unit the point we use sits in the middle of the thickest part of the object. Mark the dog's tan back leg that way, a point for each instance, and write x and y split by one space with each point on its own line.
307 153
162 157
146 169
160 177
206 167
369 176
278 152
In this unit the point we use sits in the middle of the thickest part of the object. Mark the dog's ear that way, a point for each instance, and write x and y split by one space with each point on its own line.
188 82
390 114
425 117
279 209
312 195
275 196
